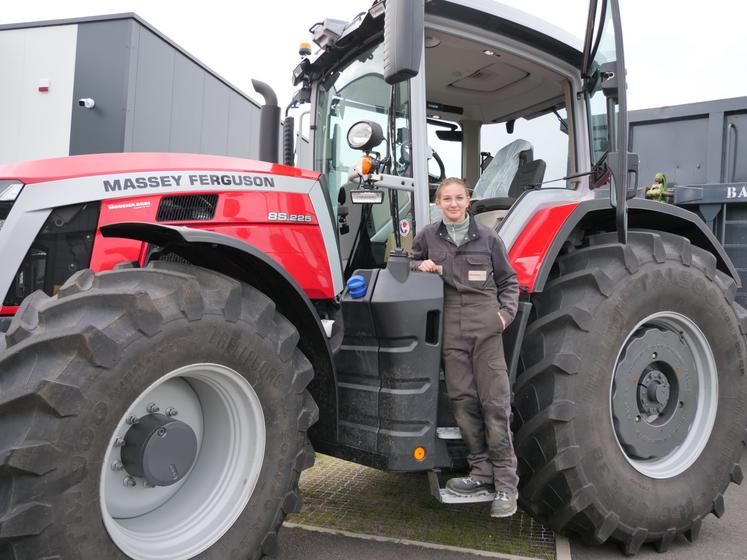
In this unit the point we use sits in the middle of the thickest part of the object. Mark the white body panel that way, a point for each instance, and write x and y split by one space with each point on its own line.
36 124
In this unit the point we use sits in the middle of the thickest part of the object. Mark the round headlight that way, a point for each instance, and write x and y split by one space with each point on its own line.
365 135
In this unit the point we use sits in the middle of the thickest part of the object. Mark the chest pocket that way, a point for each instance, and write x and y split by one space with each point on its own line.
478 270
437 256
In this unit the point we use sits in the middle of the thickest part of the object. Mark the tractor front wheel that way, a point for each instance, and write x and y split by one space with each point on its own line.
156 413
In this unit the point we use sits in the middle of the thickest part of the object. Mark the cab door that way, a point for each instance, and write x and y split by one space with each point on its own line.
603 69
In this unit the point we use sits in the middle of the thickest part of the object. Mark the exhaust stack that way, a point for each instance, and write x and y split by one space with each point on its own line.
269 123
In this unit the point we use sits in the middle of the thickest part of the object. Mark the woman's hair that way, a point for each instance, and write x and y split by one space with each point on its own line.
451 181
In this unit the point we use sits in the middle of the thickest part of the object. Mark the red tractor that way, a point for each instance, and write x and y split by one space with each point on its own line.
177 331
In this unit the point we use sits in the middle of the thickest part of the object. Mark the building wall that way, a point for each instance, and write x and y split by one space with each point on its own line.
101 73
34 124
176 105
150 95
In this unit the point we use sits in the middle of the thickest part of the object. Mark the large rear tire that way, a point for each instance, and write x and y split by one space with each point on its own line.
632 403
97 378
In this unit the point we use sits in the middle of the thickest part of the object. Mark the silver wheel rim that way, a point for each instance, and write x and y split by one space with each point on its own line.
706 402
180 521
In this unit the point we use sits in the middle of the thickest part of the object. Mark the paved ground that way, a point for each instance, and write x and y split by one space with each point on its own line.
720 539
299 544
349 497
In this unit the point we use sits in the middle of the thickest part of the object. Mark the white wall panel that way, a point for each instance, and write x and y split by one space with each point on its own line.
36 125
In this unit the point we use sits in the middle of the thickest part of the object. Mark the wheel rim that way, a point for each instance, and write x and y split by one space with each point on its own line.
664 395
183 519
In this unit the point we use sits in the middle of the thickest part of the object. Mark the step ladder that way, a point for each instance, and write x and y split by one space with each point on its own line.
443 495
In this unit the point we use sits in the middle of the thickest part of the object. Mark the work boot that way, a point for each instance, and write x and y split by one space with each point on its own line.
504 505
468 486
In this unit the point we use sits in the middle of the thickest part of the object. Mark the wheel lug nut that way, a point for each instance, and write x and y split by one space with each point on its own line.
152 408
119 442
129 482
171 411
147 484
133 419
653 356
637 418
117 466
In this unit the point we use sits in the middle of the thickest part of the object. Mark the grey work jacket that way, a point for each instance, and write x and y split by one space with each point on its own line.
476 270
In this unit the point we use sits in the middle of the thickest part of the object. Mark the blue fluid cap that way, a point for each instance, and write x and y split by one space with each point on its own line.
357 286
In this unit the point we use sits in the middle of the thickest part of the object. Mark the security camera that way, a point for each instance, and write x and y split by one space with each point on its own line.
87 103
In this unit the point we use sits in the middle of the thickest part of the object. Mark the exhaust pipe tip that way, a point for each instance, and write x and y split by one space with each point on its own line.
266 92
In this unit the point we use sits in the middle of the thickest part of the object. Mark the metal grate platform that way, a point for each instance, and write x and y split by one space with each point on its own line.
349 497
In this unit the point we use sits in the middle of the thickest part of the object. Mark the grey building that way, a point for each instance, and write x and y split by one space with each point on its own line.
148 93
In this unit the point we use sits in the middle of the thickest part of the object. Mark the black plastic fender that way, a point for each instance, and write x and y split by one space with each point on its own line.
241 261
596 215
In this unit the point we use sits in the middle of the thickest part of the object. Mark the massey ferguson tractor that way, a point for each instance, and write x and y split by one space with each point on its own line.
179 338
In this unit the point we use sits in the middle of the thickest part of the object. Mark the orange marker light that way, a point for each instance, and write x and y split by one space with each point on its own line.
366 168
419 453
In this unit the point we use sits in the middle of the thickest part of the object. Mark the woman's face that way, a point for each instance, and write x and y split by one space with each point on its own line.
453 201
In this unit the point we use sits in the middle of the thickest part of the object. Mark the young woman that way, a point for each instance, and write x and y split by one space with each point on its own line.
480 300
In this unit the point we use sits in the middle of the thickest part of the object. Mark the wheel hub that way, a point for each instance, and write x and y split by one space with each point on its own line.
159 449
654 394
147 515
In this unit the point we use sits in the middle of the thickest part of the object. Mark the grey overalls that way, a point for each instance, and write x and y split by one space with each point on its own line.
479 283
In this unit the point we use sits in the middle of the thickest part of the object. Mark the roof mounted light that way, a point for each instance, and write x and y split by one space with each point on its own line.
325 33
377 9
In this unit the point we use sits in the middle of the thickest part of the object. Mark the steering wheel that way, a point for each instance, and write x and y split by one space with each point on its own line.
433 180
441 169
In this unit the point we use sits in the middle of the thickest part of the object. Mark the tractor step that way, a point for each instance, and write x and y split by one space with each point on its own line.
448 433
444 496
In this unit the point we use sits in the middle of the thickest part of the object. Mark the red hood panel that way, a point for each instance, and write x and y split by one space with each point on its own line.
42 170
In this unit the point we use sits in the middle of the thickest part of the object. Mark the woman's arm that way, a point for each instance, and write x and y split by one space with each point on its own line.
419 255
505 280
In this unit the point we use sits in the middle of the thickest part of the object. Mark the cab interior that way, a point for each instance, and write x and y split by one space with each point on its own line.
496 119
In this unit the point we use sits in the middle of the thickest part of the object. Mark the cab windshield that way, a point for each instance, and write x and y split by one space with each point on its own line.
354 93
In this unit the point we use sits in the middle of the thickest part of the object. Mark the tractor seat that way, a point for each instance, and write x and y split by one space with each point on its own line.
491 211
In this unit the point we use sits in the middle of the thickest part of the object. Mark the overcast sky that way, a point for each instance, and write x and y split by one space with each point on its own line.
677 51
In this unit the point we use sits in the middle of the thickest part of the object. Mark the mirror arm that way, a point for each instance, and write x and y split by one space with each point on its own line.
393 182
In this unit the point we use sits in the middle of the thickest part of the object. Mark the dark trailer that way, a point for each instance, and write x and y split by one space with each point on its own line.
702 150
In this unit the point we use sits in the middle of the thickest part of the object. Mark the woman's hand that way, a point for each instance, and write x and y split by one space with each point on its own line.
428 266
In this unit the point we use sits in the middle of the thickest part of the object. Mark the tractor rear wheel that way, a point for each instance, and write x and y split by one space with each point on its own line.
156 413
630 406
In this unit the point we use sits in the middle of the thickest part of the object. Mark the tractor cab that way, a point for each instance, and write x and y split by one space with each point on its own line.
526 113
410 93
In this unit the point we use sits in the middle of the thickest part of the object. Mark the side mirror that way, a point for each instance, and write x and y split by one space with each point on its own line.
403 39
